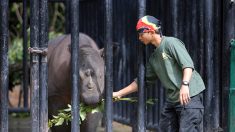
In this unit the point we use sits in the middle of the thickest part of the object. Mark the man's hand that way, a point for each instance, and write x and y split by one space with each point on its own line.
184 95
116 95
126 90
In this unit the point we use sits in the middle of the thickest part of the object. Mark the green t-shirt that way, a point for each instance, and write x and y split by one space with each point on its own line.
167 63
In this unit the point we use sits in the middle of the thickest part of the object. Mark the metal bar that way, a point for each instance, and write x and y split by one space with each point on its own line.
141 75
25 55
194 32
216 112
232 89
34 76
187 24
228 34
174 13
74 4
201 36
109 66
43 73
4 70
209 126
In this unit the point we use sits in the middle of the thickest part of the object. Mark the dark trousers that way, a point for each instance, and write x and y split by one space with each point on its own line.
183 118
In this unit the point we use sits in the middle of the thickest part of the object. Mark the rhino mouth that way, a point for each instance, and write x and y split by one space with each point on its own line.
90 99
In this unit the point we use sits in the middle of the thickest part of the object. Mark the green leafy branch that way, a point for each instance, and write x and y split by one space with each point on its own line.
64 115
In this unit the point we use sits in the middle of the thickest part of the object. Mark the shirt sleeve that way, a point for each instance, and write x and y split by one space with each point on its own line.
178 51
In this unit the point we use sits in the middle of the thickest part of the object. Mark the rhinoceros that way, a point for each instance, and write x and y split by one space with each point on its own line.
91 73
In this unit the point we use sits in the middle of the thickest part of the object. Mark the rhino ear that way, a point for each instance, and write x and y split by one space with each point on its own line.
102 52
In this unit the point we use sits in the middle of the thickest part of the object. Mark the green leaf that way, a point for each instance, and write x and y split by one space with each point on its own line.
50 124
67 110
83 115
65 114
60 122
151 101
97 109
61 114
55 116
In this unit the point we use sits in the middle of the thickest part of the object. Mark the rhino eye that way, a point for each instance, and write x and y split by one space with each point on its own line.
89 72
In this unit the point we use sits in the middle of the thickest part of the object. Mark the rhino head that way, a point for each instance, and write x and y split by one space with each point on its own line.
91 72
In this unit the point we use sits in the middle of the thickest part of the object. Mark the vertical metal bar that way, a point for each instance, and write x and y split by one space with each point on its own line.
43 73
141 76
25 55
194 32
187 24
217 60
109 66
4 70
232 89
201 36
209 63
34 42
181 27
174 13
74 4
228 34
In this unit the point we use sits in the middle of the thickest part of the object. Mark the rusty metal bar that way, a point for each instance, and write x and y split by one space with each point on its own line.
25 55
74 4
209 51
174 15
4 70
34 76
43 70
109 66
141 122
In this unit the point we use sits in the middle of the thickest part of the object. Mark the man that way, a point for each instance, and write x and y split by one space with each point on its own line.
172 65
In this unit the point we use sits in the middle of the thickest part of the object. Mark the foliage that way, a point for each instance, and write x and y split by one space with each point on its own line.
20 115
65 114
15 54
16 51
56 18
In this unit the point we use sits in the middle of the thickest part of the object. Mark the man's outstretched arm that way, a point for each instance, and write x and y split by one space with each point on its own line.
133 87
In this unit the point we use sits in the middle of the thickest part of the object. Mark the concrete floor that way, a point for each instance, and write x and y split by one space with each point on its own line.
24 125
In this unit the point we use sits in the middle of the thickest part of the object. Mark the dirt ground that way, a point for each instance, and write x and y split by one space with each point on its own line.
23 124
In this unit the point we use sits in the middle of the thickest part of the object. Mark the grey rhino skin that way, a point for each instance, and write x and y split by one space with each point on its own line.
91 74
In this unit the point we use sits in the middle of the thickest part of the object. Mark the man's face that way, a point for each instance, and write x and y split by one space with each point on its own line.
145 37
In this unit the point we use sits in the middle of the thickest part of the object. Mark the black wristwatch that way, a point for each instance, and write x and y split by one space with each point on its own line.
186 83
